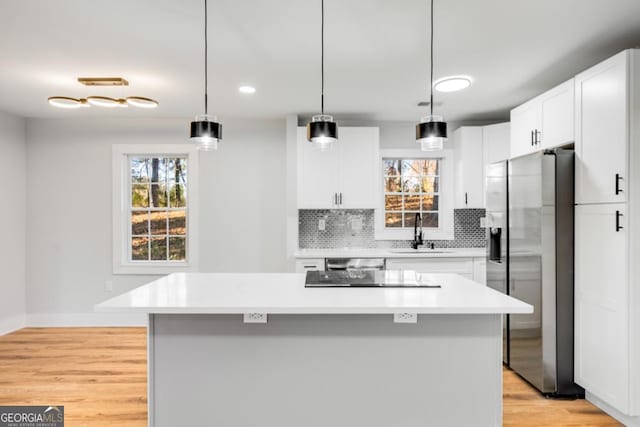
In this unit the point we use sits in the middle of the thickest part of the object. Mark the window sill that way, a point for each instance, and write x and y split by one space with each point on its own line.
153 270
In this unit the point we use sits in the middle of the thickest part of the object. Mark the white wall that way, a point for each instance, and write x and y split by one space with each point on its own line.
12 218
69 240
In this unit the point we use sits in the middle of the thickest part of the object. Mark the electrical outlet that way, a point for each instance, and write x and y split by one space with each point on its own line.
255 318
108 285
356 223
405 318
322 224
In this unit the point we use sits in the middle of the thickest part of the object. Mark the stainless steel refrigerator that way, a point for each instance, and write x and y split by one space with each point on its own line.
496 225
540 200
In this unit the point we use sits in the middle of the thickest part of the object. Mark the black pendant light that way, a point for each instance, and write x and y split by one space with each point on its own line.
431 132
322 131
206 132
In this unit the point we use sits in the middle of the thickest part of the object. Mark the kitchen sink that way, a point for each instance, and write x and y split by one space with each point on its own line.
419 251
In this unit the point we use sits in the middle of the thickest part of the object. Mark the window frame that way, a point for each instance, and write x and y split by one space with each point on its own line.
121 190
444 231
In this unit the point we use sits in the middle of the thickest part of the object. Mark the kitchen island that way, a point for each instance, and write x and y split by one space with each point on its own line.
261 349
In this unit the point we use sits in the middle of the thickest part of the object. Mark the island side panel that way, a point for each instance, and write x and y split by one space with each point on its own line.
325 370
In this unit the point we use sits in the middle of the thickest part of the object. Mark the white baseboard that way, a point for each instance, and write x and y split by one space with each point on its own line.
627 420
13 323
85 319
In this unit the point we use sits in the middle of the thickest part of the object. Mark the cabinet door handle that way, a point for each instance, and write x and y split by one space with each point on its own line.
310 266
341 198
618 189
618 216
466 199
335 199
532 142
538 134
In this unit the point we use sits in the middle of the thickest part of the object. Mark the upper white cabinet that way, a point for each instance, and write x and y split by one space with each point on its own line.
469 165
602 113
342 177
476 147
546 121
495 142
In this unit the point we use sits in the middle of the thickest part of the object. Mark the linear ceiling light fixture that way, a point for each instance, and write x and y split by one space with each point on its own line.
102 101
206 132
322 131
431 132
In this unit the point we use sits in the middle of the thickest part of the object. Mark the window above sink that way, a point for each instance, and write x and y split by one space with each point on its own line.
413 181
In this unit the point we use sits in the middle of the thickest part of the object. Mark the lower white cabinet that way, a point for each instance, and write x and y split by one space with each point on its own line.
604 330
309 264
480 270
471 268
461 266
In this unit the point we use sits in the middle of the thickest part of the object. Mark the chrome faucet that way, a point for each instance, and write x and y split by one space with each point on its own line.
417 237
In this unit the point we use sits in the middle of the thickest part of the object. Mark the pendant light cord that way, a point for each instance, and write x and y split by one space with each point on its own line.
206 82
431 77
322 60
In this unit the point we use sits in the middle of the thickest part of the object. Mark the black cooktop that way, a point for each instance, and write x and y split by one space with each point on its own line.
366 279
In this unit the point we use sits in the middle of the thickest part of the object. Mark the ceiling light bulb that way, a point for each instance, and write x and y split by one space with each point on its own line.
103 101
66 102
452 83
247 89
142 102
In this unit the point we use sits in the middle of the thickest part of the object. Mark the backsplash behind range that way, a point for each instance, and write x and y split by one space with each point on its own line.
339 231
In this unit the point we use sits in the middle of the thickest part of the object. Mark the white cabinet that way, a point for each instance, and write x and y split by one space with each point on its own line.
469 161
342 177
309 264
476 147
495 142
546 121
607 232
602 295
480 270
525 120
461 266
601 131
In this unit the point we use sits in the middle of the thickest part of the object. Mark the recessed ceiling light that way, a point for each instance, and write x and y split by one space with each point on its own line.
452 83
247 89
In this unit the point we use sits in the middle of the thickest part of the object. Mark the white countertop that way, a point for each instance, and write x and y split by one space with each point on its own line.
284 293
391 253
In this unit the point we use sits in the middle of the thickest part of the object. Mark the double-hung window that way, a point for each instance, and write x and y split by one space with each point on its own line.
415 185
155 199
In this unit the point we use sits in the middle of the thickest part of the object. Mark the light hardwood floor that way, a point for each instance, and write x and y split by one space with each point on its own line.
99 375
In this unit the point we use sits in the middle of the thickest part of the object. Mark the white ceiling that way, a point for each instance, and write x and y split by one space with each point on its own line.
376 53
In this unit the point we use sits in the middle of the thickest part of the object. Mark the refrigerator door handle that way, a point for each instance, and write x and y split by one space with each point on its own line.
618 226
